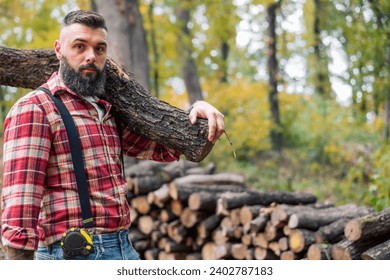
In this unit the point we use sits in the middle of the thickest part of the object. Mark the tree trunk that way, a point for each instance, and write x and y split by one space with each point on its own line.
156 54
138 44
127 36
276 134
117 23
224 64
134 106
321 84
189 70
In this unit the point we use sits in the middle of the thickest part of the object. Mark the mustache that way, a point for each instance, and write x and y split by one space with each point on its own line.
89 66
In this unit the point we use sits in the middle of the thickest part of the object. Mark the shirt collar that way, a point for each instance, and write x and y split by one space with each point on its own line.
56 85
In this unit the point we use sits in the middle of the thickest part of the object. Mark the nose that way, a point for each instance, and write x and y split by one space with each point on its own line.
90 56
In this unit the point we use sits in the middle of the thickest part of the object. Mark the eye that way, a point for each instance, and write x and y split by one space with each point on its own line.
100 50
79 47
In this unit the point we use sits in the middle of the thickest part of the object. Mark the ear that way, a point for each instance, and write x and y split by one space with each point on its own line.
57 49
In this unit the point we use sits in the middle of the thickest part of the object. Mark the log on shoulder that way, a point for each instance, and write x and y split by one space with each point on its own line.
143 113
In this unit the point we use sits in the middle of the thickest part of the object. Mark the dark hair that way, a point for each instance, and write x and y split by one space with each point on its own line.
87 18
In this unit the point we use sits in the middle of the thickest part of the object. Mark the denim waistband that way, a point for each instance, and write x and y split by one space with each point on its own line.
109 246
110 238
105 239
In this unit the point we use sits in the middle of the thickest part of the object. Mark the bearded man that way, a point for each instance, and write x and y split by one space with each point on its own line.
40 200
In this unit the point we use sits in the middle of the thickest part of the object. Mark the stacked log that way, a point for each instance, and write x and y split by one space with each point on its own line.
366 237
184 211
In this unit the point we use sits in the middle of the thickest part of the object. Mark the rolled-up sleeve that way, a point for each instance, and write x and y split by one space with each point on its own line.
140 147
27 143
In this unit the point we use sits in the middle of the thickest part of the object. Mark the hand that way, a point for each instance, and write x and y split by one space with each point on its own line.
18 254
215 119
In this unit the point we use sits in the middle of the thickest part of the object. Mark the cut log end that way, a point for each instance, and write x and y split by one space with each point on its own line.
353 230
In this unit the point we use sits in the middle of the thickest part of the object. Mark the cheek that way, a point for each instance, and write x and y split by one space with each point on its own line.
100 62
74 61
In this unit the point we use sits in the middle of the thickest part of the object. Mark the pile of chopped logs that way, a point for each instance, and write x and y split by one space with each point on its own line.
183 211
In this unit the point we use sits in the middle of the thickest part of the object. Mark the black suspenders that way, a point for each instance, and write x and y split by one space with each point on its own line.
77 159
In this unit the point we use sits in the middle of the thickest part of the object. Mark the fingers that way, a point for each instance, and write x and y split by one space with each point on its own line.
192 116
216 127
216 123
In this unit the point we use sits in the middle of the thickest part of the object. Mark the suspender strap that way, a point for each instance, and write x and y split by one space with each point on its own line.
120 132
77 158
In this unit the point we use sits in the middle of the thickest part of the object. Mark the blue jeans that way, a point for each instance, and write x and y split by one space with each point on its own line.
111 246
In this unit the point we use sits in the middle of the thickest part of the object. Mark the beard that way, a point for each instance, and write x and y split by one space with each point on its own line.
93 84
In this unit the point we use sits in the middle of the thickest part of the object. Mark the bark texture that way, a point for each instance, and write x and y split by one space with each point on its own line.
143 113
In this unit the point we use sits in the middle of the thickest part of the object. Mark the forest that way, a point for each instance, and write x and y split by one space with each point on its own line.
303 84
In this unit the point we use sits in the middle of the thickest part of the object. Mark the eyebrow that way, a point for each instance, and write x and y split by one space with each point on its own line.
86 41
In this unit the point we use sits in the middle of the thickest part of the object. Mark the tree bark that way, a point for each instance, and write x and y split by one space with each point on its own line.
316 218
301 239
353 250
127 36
321 84
276 134
155 50
233 200
369 226
332 233
189 70
138 44
116 18
133 105
378 252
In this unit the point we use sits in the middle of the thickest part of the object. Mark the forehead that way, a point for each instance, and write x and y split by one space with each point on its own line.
77 31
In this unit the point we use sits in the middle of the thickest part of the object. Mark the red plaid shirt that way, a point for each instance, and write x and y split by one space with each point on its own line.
40 198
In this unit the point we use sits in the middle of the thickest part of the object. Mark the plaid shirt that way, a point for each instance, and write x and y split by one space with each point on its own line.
40 198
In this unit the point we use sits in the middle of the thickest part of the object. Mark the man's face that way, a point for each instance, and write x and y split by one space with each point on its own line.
83 53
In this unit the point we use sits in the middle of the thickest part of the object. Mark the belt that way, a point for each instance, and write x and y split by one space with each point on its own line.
104 239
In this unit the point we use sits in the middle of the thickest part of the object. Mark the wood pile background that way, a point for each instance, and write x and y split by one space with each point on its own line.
183 211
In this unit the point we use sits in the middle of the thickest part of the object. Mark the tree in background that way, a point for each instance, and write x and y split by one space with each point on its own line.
30 24
316 14
127 36
184 48
276 133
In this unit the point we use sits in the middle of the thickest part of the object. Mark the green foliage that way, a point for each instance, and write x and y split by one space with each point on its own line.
247 117
328 152
379 189
30 24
